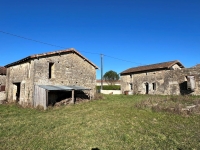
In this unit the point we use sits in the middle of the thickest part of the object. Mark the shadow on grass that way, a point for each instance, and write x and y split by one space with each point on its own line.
95 149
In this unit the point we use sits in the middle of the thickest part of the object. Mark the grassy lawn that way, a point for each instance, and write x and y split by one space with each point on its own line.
112 123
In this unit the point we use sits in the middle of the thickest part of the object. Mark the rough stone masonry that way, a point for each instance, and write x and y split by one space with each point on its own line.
168 78
2 83
66 67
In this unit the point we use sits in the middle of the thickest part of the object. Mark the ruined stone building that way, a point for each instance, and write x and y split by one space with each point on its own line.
49 77
167 78
2 83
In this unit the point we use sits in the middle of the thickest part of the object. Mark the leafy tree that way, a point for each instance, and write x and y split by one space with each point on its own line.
111 77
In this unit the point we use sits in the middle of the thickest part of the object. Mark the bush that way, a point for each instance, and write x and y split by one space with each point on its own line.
109 87
98 96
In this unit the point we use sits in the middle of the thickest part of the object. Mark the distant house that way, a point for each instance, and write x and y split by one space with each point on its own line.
98 82
163 78
2 83
43 79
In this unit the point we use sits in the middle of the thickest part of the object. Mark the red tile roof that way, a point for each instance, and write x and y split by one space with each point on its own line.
2 70
70 50
159 66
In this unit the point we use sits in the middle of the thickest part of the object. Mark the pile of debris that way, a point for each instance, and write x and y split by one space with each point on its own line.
68 101
3 102
63 102
190 109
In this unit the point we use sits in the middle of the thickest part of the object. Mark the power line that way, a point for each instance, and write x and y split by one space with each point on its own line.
30 39
123 60
41 41
18 36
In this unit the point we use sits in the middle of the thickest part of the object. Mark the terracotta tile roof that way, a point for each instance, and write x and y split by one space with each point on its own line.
159 66
2 70
70 50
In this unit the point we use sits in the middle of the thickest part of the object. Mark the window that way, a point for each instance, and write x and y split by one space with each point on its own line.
130 75
131 86
29 70
154 86
51 70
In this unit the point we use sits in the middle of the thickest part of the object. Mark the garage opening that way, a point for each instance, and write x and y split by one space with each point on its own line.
51 95
65 97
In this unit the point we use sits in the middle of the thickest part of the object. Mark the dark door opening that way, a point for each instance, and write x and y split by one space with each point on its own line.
16 91
147 88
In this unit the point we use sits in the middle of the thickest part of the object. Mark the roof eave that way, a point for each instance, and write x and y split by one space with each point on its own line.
50 54
127 73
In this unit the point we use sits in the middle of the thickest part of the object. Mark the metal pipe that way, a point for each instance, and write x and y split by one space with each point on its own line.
101 71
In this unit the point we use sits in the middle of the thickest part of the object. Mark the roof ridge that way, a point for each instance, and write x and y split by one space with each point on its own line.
51 53
161 65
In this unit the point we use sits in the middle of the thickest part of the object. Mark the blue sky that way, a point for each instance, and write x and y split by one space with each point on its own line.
139 31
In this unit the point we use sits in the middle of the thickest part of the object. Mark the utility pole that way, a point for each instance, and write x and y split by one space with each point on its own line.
101 71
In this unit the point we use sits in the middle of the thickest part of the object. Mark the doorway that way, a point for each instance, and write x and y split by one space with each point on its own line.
16 91
147 87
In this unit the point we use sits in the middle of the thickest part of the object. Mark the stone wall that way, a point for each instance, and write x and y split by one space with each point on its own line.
2 96
139 81
111 92
20 77
2 79
68 69
164 82
2 83
65 69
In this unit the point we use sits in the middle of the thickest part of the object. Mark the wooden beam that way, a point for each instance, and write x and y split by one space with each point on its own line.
47 99
73 96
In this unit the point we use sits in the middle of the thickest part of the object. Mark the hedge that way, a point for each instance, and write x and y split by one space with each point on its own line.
109 87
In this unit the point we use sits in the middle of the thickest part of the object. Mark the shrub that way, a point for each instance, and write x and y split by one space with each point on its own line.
182 105
98 96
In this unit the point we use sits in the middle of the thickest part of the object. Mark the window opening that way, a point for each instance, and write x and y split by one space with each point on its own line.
51 70
131 86
2 88
29 70
154 86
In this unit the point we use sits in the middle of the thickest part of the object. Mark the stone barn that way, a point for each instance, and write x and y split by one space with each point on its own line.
167 78
44 79
2 83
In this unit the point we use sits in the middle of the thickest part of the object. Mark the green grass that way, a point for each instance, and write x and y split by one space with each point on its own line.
113 123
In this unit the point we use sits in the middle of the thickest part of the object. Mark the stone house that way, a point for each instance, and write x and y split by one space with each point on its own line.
44 79
2 83
167 78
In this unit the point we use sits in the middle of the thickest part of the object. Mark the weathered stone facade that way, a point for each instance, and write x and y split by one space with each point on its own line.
2 83
2 79
66 67
164 81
